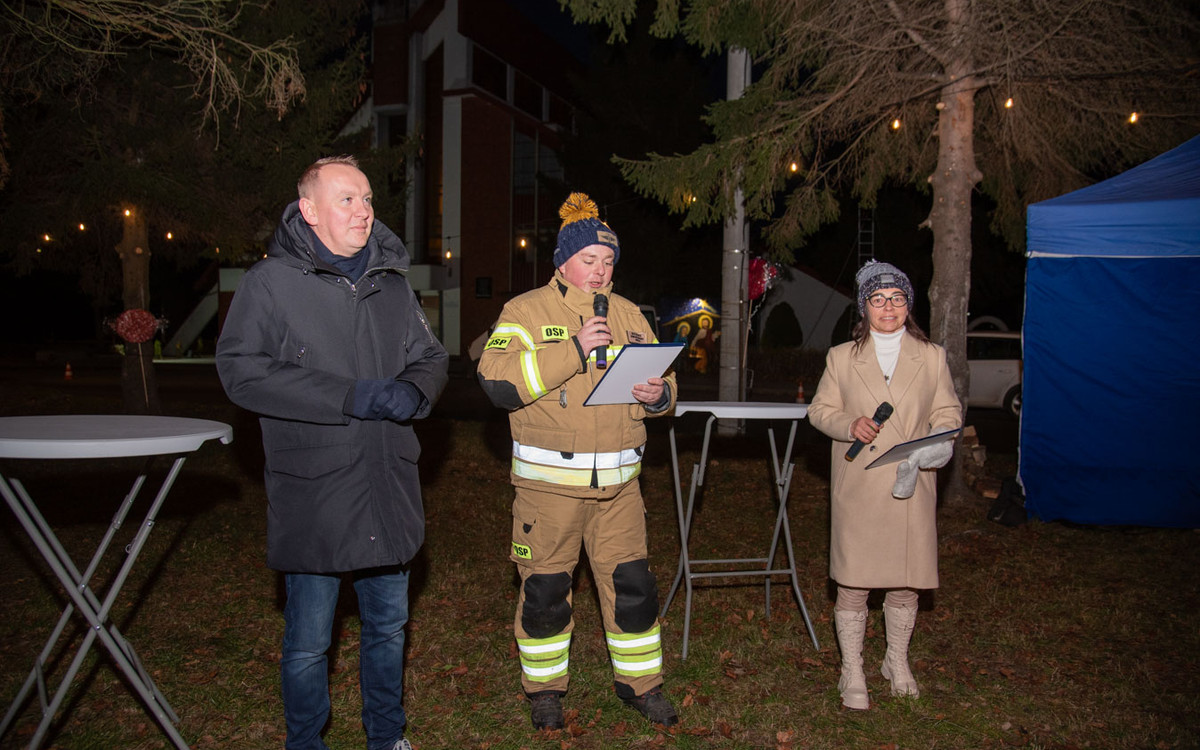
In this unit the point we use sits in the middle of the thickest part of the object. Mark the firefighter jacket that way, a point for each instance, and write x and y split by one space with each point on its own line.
533 367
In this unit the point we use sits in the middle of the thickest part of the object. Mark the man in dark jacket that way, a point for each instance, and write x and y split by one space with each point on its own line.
326 340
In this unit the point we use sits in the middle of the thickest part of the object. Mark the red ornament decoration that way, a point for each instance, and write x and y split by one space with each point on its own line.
762 275
135 326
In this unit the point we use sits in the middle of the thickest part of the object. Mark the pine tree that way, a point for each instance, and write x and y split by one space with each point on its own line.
1019 99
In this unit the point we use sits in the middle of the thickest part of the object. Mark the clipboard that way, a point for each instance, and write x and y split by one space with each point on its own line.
635 363
902 451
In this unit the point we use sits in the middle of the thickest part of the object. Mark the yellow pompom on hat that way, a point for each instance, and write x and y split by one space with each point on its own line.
582 227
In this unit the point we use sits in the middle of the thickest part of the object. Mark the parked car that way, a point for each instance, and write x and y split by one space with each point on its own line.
994 358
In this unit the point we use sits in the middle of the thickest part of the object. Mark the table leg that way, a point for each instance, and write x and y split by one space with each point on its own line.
681 568
782 467
36 675
96 613
783 470
684 570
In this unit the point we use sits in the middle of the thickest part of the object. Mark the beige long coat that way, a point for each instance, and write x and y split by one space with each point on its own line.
876 540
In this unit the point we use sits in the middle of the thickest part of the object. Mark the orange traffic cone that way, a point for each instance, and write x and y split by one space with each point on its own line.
67 374
800 392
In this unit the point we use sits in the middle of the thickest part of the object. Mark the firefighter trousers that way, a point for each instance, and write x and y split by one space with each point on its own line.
549 528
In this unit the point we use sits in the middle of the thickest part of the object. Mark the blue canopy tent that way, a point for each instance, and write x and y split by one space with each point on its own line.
1112 323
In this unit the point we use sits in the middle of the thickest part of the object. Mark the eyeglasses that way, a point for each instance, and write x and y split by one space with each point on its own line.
899 299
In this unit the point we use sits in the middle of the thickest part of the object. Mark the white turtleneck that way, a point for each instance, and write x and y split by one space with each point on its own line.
887 351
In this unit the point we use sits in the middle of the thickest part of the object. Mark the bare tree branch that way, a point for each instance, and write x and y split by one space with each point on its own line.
61 44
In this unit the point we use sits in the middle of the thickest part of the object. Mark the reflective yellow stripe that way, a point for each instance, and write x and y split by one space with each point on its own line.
624 642
643 665
636 654
545 457
575 470
533 378
543 659
574 477
511 329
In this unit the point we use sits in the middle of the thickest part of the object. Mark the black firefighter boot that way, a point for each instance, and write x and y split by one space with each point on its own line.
545 709
652 704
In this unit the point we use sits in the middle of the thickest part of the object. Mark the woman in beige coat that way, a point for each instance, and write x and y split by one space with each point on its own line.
883 525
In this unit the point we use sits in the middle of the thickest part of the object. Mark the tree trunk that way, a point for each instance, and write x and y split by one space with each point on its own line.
950 219
139 387
734 258
733 329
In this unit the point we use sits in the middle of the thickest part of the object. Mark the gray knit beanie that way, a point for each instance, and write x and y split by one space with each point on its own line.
876 275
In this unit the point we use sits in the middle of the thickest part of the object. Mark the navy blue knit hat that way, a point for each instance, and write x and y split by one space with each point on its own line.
876 275
582 227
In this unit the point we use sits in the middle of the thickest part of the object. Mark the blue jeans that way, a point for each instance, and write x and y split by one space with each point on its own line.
304 665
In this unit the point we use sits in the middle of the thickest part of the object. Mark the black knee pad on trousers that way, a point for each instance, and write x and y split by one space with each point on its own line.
637 596
546 611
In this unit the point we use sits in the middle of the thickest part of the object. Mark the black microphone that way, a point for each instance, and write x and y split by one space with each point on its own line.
881 415
600 308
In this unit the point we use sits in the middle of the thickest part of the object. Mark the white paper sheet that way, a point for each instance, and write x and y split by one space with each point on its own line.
635 363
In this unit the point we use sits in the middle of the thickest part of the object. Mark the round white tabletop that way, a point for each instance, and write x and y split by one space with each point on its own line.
105 435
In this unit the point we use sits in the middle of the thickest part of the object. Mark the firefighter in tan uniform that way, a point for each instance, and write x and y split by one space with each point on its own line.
575 469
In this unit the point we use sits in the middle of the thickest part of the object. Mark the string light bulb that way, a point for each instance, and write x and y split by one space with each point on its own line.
45 238
1008 103
522 242
896 124
170 235
793 167
447 255
82 228
1133 118
128 212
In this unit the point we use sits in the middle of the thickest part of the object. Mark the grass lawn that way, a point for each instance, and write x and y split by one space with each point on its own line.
1041 636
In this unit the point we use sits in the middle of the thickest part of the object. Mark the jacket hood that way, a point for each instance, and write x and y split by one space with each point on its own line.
293 242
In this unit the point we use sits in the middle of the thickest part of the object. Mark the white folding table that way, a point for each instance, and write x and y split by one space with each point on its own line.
781 465
82 437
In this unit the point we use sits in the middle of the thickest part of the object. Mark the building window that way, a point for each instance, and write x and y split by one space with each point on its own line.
483 287
524 173
489 72
527 95
395 130
549 168
560 113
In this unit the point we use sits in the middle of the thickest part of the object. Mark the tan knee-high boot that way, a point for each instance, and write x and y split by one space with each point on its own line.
851 630
899 622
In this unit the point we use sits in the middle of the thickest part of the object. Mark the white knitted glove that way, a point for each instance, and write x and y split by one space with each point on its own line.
928 457
933 456
906 479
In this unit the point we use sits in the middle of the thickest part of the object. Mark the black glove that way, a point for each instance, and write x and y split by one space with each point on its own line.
397 400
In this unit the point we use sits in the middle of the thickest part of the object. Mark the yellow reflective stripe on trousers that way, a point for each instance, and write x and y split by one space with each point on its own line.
636 654
574 477
543 659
